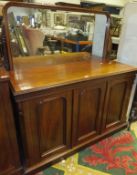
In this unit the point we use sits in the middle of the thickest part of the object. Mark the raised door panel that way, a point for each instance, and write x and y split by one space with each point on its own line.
46 126
52 125
8 142
88 109
117 98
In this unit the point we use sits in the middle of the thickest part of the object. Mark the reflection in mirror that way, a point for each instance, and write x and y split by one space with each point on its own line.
44 32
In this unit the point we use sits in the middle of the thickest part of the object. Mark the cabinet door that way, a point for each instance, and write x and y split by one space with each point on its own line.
9 155
45 124
88 109
116 103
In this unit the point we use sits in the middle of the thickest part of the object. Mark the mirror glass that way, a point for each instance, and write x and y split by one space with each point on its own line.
46 32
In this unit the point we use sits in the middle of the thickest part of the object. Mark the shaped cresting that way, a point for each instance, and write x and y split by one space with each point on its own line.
38 30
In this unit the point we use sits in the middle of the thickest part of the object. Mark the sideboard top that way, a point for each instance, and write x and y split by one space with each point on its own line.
24 80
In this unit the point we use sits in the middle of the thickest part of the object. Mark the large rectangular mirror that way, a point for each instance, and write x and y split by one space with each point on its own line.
40 31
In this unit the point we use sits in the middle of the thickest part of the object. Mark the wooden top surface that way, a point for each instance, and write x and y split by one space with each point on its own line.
33 76
40 61
3 74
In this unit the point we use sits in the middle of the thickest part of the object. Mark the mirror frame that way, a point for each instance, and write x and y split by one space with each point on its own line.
54 8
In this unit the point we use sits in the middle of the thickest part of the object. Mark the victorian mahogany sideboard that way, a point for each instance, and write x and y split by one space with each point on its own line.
54 105
63 107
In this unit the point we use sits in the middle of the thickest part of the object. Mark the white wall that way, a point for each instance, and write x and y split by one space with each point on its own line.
127 52
53 1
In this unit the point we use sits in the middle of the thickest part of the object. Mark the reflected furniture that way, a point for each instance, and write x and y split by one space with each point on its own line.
61 102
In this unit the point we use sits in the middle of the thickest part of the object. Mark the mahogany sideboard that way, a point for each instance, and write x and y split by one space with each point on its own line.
52 106
61 108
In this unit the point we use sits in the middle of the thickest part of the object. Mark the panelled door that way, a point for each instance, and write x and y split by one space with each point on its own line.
88 110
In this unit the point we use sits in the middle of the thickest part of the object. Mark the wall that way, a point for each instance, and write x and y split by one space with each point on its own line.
127 52
53 1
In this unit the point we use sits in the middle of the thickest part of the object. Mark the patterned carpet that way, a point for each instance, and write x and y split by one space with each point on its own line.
116 155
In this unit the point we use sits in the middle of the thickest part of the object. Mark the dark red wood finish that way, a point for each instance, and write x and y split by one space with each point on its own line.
59 121
88 110
9 155
116 103
46 125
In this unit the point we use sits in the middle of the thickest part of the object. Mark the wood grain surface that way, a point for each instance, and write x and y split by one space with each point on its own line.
32 74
